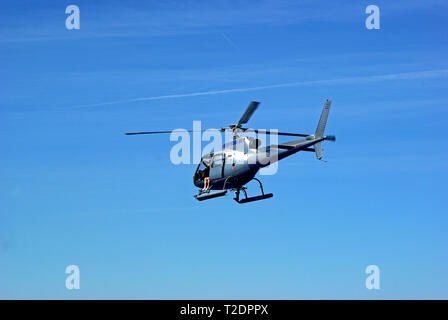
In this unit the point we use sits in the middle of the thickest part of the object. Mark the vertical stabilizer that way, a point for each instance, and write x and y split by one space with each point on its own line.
321 129
318 150
323 120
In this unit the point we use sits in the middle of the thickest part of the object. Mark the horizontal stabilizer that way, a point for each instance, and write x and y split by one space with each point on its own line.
289 147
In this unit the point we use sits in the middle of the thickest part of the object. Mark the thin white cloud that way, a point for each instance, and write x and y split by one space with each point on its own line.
339 81
230 42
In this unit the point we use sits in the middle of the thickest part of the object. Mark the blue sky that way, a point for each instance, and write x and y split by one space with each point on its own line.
75 190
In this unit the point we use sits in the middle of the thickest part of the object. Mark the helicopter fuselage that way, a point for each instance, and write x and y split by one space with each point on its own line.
238 162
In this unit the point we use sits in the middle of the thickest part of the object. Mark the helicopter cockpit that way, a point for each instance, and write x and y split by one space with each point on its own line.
203 169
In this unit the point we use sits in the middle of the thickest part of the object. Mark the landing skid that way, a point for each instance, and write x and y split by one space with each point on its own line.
210 195
250 199
205 195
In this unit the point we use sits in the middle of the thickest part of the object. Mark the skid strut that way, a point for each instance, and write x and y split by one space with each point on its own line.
250 199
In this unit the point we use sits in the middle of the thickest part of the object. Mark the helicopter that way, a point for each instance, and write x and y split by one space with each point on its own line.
239 160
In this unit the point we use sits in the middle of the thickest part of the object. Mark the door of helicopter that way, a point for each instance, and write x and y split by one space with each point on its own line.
229 165
217 167
200 170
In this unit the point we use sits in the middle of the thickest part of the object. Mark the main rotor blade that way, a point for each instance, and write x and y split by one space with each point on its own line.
277 133
258 131
248 113
157 132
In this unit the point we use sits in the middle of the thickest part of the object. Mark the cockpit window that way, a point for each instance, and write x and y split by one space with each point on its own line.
205 161
201 170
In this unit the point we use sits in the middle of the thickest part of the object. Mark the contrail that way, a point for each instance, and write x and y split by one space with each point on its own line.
230 42
383 77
